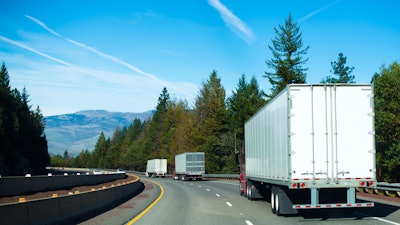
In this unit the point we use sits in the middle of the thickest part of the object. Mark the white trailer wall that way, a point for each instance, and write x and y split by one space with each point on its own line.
313 132
163 166
157 166
190 163
151 166
332 132
266 142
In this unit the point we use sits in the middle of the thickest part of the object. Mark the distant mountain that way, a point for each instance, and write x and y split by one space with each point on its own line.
77 131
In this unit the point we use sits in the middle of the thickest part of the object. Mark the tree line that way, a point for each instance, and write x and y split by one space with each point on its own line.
23 144
213 127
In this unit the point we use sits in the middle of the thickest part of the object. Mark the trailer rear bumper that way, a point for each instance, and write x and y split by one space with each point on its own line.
334 205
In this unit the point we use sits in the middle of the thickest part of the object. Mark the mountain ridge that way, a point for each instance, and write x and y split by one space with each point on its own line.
79 131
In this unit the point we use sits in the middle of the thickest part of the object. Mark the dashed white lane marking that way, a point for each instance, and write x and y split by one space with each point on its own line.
377 218
218 195
191 184
222 182
199 186
207 189
248 222
229 204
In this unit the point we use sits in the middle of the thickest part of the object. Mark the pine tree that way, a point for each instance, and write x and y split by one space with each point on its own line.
23 143
244 102
125 158
100 151
158 129
287 50
211 116
8 155
341 71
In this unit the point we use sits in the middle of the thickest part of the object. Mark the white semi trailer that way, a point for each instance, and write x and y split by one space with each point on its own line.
310 147
156 168
189 166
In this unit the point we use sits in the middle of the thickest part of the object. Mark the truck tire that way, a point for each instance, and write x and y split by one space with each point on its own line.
249 193
277 203
273 200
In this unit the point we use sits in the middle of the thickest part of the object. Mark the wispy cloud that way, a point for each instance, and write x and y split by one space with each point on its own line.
93 50
174 53
232 21
26 47
176 87
308 16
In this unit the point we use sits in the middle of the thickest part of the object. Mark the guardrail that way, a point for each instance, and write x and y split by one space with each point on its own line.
386 188
11 186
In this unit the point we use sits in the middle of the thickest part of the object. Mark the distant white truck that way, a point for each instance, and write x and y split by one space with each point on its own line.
310 148
189 166
156 168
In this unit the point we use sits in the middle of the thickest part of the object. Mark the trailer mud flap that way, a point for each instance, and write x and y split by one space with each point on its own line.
254 190
283 205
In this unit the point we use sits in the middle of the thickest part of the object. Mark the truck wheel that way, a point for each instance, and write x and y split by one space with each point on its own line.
277 205
249 193
273 200
276 201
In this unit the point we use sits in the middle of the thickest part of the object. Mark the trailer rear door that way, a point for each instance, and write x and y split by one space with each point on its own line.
331 133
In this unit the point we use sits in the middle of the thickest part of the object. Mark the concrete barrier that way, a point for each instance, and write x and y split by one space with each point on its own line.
68 209
11 186
16 213
44 211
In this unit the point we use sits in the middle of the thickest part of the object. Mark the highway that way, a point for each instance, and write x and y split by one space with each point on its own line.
219 202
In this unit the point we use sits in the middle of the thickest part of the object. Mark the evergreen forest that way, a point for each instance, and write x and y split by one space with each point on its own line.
23 144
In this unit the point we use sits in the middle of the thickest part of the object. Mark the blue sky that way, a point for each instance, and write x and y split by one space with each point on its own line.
118 55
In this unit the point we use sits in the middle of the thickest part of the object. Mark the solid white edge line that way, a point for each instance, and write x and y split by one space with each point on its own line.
248 222
377 218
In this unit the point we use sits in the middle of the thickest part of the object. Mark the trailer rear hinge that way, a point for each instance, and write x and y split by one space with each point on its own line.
321 173
343 173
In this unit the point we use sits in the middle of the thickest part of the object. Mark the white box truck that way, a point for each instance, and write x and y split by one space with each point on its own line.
189 166
310 147
156 168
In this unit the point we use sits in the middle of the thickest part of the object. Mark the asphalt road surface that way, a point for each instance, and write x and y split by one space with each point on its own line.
219 202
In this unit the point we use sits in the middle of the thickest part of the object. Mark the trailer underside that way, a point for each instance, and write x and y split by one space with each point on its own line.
288 201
